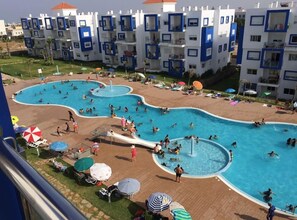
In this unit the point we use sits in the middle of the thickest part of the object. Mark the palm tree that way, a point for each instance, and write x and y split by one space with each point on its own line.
191 73
29 62
49 42
1 52
6 40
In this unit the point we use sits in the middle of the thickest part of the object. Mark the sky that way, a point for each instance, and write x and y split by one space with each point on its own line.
13 10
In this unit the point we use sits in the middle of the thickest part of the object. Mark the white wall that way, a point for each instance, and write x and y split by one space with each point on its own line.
2 28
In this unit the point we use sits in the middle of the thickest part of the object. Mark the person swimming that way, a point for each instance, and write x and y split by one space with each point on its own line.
272 154
267 195
174 125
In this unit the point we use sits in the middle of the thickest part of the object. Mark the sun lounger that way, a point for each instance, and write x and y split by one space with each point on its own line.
91 180
160 85
229 98
177 88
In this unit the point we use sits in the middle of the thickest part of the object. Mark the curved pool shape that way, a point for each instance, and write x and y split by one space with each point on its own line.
110 91
251 170
203 159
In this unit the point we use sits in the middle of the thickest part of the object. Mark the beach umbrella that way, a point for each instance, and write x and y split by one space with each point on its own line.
141 75
20 129
230 90
100 171
250 92
32 134
198 85
58 146
98 69
181 214
175 205
267 93
111 70
152 77
84 68
181 83
129 186
158 202
83 164
14 119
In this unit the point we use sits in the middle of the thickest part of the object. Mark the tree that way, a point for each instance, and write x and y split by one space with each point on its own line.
6 40
29 62
50 42
191 73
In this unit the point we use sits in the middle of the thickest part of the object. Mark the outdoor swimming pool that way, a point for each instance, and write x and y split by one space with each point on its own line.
251 170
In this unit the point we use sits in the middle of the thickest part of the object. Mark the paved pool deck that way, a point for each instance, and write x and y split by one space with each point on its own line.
204 198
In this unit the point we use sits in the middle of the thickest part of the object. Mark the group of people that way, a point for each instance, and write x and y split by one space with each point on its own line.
259 123
291 141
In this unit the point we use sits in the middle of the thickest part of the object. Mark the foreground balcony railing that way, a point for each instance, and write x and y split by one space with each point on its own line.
39 199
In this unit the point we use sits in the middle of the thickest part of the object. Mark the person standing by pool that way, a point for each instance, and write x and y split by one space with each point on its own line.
75 126
67 129
58 131
133 153
70 116
178 172
231 155
166 141
270 213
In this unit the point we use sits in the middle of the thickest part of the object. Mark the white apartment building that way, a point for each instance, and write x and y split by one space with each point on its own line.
2 28
14 30
158 38
269 51
67 35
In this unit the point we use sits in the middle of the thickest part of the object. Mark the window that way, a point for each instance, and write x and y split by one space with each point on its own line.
205 21
121 36
269 88
166 37
193 52
100 23
293 39
75 44
165 22
60 33
88 44
193 22
202 65
82 23
86 34
209 37
256 38
232 43
231 18
222 20
257 21
227 19
253 55
165 64
208 51
220 48
225 47
192 66
292 57
290 75
193 37
72 23
288 91
252 71
35 33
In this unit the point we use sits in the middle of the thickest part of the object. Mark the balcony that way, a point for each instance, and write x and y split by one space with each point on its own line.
274 45
272 80
128 53
277 20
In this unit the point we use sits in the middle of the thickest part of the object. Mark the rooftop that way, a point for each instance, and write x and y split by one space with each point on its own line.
63 5
158 1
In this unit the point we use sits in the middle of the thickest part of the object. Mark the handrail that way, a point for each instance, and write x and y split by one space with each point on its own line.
43 198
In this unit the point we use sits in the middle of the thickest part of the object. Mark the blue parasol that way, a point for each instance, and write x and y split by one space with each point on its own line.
20 129
111 70
152 77
230 90
58 146
129 186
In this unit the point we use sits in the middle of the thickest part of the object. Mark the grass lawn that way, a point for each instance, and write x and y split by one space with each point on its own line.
119 208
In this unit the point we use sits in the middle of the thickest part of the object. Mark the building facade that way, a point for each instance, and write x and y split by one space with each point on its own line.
2 28
160 38
269 51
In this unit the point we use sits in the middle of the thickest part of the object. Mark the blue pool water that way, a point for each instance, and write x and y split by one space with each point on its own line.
251 170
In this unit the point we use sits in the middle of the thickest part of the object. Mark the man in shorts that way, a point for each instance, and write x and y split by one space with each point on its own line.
178 172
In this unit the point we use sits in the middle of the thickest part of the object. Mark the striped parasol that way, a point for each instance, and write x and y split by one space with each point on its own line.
181 214
32 134
158 202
